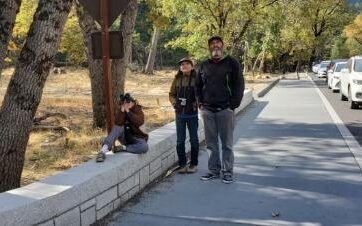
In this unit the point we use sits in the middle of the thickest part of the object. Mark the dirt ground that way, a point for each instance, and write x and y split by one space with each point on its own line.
69 96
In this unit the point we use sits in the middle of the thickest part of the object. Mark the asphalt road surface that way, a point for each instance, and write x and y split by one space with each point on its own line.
352 118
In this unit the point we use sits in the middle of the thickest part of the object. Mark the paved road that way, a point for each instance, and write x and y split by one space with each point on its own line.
290 159
352 118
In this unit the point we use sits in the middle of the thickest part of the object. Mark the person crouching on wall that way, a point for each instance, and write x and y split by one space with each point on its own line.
128 119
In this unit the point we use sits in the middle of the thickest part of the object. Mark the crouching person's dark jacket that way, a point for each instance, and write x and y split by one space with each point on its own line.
132 122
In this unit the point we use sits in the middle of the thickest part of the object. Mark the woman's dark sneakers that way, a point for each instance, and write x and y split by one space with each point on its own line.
191 169
182 170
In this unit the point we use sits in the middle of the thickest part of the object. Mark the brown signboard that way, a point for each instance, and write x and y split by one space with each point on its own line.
116 7
115 41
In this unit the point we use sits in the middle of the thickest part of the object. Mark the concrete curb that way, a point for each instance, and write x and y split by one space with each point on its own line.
264 91
89 192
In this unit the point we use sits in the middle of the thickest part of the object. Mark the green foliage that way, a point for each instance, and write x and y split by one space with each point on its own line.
72 40
354 47
290 29
72 43
24 19
340 48
297 30
166 56
198 20
156 15
354 30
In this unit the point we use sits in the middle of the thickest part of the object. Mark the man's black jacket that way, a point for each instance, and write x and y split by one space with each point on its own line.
220 84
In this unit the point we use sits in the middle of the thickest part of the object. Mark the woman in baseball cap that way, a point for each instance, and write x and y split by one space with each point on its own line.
183 98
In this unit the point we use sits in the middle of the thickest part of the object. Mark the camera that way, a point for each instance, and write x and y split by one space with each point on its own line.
126 98
182 101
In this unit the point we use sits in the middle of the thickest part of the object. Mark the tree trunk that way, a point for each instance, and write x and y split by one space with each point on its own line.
313 57
161 59
25 89
262 60
245 58
8 11
88 26
237 38
255 63
297 68
119 67
153 50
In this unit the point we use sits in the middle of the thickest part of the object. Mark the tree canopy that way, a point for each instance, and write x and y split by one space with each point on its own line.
277 31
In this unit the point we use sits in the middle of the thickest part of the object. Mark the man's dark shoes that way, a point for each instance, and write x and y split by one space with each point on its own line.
209 176
227 179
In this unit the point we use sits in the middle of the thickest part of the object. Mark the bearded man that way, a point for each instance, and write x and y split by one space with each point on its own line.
219 91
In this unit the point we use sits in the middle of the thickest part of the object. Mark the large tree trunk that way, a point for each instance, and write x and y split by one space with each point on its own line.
245 57
119 67
153 51
297 69
8 11
262 60
313 57
256 63
237 38
26 87
88 26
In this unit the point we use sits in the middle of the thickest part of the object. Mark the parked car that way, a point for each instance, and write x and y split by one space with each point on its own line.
334 76
322 71
331 65
351 82
333 62
315 68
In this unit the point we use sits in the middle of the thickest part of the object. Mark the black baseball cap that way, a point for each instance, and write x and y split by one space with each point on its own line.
215 38
186 59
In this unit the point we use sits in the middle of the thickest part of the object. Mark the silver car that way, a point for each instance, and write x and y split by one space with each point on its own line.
322 71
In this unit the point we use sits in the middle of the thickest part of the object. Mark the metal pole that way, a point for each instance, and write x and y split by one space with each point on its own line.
106 65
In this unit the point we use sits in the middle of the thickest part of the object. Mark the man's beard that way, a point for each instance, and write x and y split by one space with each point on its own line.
216 53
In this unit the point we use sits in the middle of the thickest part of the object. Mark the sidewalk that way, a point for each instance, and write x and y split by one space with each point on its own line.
290 160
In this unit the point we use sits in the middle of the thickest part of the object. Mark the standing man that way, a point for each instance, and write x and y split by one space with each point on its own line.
219 88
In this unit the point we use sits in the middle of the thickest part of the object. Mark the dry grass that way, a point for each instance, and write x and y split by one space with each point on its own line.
70 94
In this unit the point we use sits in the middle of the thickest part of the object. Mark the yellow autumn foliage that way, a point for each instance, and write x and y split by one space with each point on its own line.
354 30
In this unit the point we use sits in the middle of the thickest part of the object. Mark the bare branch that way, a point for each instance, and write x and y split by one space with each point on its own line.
269 4
48 127
47 115
206 6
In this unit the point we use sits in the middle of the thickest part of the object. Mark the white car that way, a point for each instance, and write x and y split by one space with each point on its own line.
351 82
315 68
334 76
322 71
